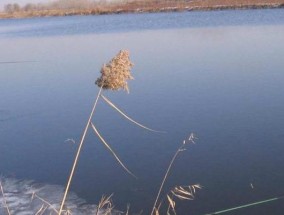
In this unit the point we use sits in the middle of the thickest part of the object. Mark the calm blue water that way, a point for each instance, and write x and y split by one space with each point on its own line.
217 74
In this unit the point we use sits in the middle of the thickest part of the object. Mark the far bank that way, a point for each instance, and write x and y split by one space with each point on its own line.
30 10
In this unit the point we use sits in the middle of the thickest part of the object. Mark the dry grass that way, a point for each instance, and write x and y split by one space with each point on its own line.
116 73
45 205
106 205
170 5
180 193
114 76
182 148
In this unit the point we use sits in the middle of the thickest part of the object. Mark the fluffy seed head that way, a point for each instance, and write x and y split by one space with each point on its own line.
116 73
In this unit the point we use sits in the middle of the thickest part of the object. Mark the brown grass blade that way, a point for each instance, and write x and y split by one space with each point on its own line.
172 202
41 210
197 186
181 197
156 211
182 191
105 203
127 117
110 149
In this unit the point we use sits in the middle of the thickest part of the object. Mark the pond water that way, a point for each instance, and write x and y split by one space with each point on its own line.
218 74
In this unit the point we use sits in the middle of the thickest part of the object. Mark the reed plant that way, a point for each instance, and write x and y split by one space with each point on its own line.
114 76
180 192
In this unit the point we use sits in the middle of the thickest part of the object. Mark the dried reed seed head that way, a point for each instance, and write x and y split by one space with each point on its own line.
116 73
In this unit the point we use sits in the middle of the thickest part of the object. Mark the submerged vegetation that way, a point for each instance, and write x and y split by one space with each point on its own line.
92 7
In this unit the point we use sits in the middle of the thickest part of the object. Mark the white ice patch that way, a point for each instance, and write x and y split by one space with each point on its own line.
25 197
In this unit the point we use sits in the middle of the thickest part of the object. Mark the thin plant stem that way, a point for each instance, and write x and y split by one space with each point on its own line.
41 210
46 202
247 205
78 151
4 199
110 149
127 209
181 148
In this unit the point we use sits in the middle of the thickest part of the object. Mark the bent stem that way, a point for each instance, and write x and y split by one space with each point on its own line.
180 149
78 152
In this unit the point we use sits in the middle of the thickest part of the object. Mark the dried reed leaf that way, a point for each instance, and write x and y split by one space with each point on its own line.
193 188
181 197
192 138
182 191
110 149
105 200
106 204
156 211
171 202
41 210
197 186
116 73
127 117
68 212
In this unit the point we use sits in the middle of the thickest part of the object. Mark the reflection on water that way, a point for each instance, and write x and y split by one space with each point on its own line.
223 82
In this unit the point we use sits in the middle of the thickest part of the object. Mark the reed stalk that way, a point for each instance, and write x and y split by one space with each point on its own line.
78 151
114 76
165 178
180 149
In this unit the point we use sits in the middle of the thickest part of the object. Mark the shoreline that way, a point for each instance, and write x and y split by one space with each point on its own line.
126 9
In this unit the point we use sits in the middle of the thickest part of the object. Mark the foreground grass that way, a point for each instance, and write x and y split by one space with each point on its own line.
140 6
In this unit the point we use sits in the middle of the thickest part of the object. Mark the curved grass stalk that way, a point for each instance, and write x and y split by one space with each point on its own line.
110 149
78 152
180 149
41 210
127 117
